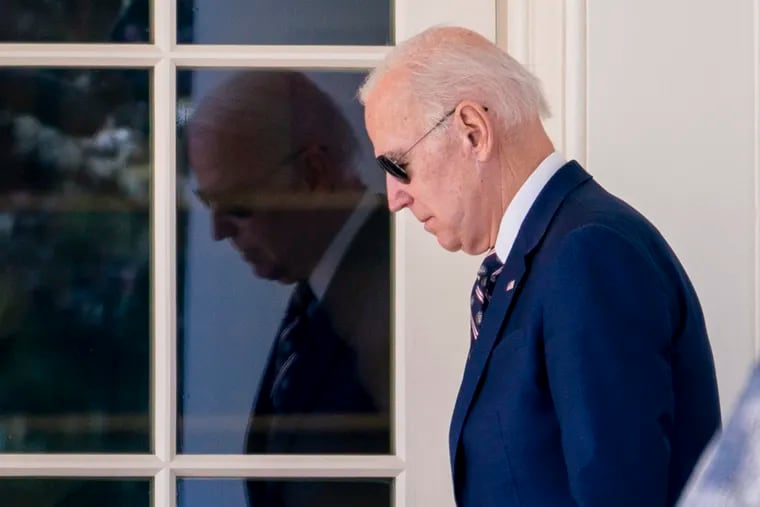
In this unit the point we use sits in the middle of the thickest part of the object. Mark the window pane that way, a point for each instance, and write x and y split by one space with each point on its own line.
284 493
75 21
284 263
353 22
74 260
74 493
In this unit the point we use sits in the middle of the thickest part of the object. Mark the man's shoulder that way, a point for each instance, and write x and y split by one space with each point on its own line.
591 217
595 235
591 204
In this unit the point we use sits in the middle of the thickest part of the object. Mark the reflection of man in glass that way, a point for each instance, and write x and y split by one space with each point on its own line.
272 156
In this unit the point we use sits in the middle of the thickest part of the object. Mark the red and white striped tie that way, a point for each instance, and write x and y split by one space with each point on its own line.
481 291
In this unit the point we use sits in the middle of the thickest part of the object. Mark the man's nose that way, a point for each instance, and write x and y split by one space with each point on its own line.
222 227
398 194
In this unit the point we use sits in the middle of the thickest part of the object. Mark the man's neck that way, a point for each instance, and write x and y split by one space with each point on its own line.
327 223
340 242
521 155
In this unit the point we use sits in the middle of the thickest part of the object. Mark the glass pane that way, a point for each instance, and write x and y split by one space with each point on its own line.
284 263
284 493
352 22
75 21
74 260
74 493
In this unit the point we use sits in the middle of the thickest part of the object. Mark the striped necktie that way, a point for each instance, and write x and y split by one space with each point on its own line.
289 337
481 291
275 383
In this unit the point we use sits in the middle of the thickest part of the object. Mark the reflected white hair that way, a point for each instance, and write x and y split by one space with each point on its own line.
444 70
269 105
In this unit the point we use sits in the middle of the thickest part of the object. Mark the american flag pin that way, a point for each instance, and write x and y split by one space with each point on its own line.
510 285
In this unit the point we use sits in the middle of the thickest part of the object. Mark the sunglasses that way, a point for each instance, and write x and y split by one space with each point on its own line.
396 168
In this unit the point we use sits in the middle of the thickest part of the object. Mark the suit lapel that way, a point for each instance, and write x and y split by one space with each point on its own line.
507 288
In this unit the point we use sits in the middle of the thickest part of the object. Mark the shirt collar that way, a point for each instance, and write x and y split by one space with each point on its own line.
518 208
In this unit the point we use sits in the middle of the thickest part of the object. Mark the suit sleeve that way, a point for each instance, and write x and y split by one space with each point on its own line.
608 330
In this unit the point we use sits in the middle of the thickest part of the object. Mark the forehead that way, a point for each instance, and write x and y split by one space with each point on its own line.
223 160
391 116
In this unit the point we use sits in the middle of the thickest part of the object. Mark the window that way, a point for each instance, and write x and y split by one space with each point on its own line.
140 315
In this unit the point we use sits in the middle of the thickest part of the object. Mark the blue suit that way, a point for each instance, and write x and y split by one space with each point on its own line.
592 381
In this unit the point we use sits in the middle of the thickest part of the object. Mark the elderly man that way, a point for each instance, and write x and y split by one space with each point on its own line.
272 155
590 379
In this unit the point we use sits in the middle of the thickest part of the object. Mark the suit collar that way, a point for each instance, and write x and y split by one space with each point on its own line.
532 231
536 223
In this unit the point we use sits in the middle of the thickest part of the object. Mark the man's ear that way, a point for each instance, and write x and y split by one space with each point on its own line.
478 129
315 168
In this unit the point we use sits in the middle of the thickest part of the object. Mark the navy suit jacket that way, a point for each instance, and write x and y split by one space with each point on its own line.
592 381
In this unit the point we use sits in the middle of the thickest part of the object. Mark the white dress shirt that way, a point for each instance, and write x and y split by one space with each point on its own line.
518 209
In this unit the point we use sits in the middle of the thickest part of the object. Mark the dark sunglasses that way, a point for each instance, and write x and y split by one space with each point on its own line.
398 169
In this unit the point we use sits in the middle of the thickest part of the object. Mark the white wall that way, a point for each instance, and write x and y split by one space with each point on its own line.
659 100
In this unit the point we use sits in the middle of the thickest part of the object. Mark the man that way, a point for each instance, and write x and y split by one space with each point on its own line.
272 156
729 472
590 379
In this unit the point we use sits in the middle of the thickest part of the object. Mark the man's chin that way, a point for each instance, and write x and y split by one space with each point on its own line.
449 243
272 273
268 272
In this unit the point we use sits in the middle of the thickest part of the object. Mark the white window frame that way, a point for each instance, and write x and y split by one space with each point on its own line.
407 465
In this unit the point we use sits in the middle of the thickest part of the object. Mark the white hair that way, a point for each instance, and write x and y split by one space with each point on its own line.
442 71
